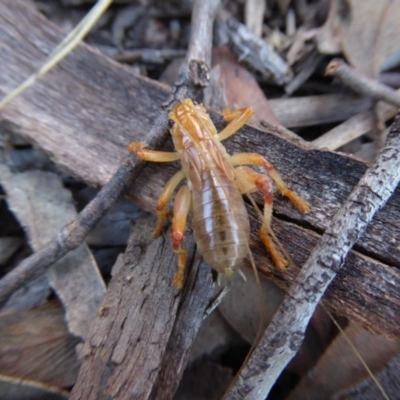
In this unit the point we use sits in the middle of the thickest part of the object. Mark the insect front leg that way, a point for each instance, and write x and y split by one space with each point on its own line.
182 204
250 181
151 155
163 200
236 120
257 159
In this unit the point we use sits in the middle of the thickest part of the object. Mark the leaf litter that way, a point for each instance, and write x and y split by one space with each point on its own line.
365 32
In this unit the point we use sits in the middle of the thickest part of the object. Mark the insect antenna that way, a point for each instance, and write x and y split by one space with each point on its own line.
356 352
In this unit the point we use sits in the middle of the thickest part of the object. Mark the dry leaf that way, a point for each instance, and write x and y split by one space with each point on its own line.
241 88
389 379
43 206
241 307
113 229
8 246
339 367
366 31
17 389
204 381
214 333
36 345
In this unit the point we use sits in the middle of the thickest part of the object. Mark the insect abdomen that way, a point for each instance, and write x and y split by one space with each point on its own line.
220 222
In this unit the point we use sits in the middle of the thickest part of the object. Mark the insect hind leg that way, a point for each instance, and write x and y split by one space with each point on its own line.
250 181
257 159
182 204
163 200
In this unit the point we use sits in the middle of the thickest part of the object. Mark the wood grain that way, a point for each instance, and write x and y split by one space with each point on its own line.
140 340
86 111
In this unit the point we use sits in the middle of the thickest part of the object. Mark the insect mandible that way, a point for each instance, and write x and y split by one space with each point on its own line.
216 182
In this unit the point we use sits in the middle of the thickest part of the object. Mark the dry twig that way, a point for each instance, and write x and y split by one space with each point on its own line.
365 121
71 236
354 127
361 83
140 340
157 56
127 105
253 50
321 109
283 337
182 325
194 73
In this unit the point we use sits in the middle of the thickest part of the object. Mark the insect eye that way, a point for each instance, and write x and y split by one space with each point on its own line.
170 123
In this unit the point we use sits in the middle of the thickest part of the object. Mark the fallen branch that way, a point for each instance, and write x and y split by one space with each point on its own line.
361 83
84 122
71 236
141 337
135 312
282 339
199 56
252 50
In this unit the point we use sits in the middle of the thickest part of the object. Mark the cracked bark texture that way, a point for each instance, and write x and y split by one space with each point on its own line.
283 337
139 343
88 109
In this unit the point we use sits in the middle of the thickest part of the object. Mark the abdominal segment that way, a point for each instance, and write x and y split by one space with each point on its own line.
220 222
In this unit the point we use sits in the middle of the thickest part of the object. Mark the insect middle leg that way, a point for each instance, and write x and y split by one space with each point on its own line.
182 204
250 181
163 200
257 159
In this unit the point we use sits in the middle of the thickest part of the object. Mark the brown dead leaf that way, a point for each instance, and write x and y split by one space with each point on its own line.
366 31
43 206
242 309
389 379
241 305
241 88
8 246
36 345
214 333
20 389
112 229
204 381
339 367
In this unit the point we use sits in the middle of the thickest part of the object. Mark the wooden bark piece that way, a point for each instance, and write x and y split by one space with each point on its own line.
79 113
86 111
38 198
126 355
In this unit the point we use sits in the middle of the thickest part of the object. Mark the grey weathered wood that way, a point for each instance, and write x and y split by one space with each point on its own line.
285 334
142 320
361 83
253 50
296 112
86 111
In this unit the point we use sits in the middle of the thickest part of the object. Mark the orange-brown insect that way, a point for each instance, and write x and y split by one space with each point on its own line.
215 184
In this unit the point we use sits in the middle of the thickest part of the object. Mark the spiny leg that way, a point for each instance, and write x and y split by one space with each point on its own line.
236 120
181 209
257 159
151 155
163 200
250 181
